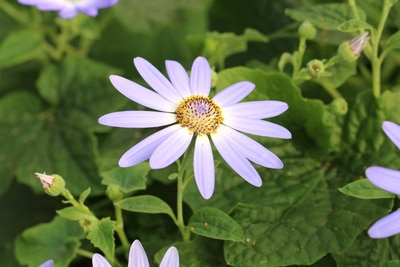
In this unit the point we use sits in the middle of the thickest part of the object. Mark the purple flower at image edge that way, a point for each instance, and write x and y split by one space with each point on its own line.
48 263
388 180
138 257
70 8
183 106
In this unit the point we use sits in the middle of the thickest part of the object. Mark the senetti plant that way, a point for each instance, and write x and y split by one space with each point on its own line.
171 133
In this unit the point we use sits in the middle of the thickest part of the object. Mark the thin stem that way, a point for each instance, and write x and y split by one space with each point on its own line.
332 91
300 55
119 228
84 253
375 60
13 12
70 198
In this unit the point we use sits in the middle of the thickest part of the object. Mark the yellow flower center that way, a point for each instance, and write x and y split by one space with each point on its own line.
200 114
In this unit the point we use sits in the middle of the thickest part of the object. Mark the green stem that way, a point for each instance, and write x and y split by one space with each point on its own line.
70 198
119 228
300 54
332 91
84 253
13 12
375 40
179 206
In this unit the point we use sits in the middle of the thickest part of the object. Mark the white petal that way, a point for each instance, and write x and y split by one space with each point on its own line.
137 255
392 130
256 109
386 227
145 148
257 127
137 119
250 148
384 178
141 95
171 149
171 258
179 78
233 93
99 261
236 160
200 77
156 80
203 164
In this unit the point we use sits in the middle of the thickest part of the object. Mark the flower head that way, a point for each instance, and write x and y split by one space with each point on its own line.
138 257
389 180
70 8
48 263
52 184
182 105
351 50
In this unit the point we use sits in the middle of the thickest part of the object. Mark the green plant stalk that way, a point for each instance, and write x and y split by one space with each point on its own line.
332 91
376 61
13 13
70 199
179 205
84 253
119 227
300 54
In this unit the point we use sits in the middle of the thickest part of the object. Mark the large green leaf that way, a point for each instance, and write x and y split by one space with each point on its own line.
58 240
101 234
56 137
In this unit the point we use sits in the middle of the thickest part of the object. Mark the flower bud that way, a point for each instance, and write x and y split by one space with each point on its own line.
307 30
351 50
114 193
339 106
315 68
53 185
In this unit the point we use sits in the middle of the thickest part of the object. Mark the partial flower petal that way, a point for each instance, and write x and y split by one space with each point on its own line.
157 80
236 160
384 178
200 77
386 227
171 258
145 148
179 77
99 261
203 164
137 119
257 127
137 255
141 95
392 130
171 149
48 263
256 109
68 12
233 94
250 148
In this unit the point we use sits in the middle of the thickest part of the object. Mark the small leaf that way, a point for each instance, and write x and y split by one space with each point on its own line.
71 213
101 234
19 47
127 179
214 223
364 189
355 25
393 42
146 204
84 195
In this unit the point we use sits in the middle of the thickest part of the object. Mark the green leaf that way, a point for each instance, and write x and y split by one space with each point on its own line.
71 213
392 43
19 47
364 189
58 240
128 179
57 137
324 16
214 223
146 204
354 25
83 196
101 234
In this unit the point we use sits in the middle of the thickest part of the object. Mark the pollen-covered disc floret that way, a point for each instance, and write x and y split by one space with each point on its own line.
199 114
182 105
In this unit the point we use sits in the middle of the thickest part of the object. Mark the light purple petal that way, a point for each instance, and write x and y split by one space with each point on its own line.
171 258
384 178
48 263
233 93
236 160
257 127
386 227
256 109
179 78
105 3
392 130
203 164
137 255
157 80
145 148
68 12
250 148
171 149
137 119
200 77
45 5
141 95
99 261
90 11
